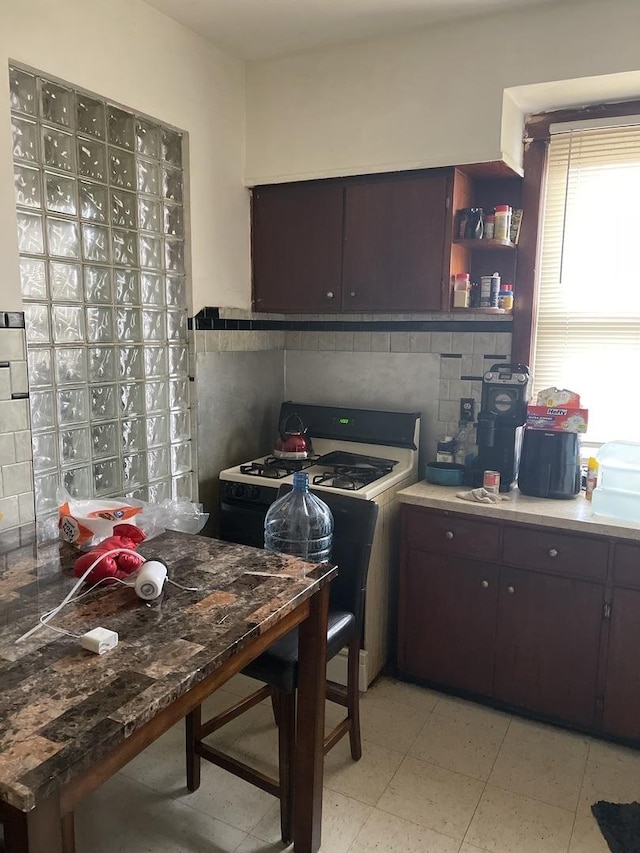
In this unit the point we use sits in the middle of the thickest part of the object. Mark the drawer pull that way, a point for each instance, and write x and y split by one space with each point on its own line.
553 552
448 534
329 294
511 590
484 584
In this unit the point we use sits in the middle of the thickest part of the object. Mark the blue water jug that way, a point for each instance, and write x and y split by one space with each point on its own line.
300 524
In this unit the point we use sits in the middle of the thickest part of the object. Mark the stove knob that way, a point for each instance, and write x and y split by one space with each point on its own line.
254 493
238 490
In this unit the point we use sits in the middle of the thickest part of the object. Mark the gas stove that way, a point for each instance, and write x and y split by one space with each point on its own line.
360 451
366 454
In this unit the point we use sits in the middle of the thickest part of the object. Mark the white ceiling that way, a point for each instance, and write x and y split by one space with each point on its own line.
254 29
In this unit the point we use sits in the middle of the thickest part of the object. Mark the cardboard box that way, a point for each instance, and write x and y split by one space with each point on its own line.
557 418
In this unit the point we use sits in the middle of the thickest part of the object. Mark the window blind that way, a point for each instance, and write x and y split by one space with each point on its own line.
588 321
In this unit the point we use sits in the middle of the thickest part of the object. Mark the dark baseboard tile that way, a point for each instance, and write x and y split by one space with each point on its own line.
209 320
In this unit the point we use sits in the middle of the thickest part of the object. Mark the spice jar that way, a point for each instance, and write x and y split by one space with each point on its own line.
489 225
505 297
502 226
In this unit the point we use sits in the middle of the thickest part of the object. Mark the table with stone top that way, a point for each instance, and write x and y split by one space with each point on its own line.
70 719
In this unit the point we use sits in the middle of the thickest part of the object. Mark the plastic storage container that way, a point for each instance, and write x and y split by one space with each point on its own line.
299 523
617 493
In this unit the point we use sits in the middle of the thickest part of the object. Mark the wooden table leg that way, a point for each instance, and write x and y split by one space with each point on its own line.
309 757
37 831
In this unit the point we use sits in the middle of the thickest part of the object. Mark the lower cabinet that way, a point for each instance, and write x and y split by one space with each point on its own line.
547 644
621 715
525 637
448 616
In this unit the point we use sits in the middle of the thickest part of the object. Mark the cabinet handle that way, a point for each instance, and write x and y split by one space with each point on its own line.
448 534
553 552
352 293
484 584
511 590
329 294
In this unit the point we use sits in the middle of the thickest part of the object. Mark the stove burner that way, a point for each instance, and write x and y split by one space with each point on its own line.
351 477
276 469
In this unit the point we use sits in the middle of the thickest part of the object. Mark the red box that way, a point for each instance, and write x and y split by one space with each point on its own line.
557 418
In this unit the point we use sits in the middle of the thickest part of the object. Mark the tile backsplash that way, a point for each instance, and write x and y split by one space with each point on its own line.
16 470
465 347
464 350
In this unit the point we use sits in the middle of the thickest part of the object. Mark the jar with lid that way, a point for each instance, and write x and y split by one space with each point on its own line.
505 297
489 226
502 227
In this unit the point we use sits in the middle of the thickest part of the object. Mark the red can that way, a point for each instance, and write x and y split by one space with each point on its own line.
491 481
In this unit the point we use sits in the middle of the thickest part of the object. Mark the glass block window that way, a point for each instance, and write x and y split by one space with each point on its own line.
99 198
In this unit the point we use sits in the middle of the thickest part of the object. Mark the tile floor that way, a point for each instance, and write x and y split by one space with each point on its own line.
438 775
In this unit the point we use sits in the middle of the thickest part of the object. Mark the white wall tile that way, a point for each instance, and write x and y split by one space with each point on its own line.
344 341
484 342
503 344
292 340
309 341
12 345
19 381
326 341
441 342
26 507
400 342
14 415
10 513
15 477
420 341
450 367
5 383
380 342
462 342
7 449
362 341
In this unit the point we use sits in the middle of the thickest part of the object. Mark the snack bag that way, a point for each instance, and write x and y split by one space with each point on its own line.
86 523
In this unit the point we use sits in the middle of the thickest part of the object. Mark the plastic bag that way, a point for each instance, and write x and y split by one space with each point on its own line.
180 514
85 523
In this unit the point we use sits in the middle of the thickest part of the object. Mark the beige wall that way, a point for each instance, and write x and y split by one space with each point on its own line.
126 51
433 97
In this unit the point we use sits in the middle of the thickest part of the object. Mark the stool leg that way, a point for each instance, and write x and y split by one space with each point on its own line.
192 729
286 705
353 698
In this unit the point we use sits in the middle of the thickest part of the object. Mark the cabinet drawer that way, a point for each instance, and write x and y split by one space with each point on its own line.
451 534
560 553
626 565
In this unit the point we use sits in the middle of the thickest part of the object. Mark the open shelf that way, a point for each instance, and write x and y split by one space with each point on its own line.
487 244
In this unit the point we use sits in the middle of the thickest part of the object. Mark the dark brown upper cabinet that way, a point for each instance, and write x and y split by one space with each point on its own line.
296 240
372 243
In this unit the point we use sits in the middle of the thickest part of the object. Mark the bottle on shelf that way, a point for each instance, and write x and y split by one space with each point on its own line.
505 297
299 523
502 227
489 226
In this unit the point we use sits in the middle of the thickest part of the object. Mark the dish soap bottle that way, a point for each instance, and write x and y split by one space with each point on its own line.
592 477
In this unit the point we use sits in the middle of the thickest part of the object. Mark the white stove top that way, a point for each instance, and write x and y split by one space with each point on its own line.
406 466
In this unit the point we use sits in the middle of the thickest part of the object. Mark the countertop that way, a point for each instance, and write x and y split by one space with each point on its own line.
573 514
62 706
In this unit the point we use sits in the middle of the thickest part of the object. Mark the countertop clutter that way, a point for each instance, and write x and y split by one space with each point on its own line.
572 514
63 707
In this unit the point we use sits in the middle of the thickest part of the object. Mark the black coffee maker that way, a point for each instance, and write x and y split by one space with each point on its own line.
503 412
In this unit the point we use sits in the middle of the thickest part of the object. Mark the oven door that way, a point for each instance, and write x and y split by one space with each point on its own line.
242 518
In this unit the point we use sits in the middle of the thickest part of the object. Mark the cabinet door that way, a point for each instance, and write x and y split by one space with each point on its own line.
547 644
447 620
622 691
394 244
296 242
